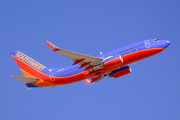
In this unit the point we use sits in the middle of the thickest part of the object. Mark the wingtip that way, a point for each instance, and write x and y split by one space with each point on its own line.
28 88
53 47
12 76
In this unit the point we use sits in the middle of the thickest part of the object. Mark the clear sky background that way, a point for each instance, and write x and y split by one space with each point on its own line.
150 92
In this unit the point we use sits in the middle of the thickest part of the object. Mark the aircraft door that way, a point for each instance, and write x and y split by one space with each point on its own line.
147 44
52 77
133 50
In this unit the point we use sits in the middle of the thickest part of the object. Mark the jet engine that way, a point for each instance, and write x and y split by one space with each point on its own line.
120 72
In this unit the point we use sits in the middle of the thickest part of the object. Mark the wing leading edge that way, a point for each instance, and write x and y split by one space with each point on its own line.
89 62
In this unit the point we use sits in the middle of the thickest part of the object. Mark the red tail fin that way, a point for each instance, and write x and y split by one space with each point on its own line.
28 66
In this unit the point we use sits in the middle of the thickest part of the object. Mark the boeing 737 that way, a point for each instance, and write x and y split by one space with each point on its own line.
89 69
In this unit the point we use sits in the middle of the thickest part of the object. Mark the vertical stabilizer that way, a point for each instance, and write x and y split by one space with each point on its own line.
28 66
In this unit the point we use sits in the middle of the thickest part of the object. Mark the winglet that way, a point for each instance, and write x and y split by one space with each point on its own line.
28 88
53 47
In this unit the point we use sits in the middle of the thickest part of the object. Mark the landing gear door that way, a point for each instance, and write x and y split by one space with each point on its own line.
147 44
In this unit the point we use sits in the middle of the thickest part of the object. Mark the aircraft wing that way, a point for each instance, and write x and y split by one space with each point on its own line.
81 59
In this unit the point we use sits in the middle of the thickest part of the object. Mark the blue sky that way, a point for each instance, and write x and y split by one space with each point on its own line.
151 91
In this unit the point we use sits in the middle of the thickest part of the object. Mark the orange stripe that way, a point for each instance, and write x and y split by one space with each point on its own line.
40 83
43 83
26 74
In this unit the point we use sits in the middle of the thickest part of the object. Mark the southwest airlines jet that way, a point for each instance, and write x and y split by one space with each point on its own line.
89 69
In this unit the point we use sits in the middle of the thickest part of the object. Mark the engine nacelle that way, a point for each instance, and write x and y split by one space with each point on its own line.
120 72
113 61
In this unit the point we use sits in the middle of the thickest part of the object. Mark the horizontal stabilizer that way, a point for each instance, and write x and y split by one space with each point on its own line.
25 80
87 82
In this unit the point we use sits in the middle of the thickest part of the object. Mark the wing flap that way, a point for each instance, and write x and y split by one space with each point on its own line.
25 80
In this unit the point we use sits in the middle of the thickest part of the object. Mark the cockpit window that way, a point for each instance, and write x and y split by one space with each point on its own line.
157 40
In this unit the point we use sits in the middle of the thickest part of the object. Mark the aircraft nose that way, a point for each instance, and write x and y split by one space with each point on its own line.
166 43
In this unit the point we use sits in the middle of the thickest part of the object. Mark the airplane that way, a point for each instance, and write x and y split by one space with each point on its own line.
90 69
